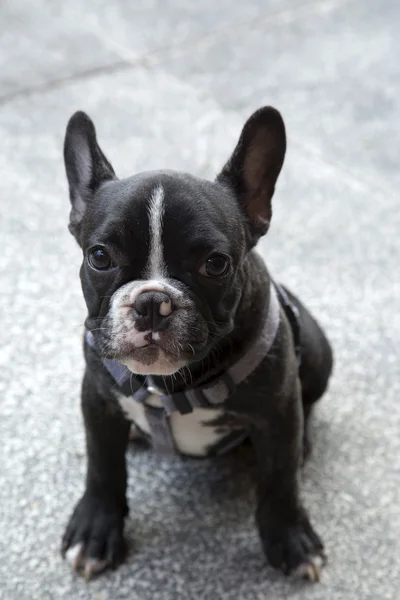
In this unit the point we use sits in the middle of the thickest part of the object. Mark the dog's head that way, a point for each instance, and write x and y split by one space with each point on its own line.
164 252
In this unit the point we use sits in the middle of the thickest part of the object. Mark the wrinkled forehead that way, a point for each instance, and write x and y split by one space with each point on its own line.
165 208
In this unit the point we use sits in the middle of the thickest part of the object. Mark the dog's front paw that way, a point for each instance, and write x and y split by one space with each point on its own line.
295 549
93 540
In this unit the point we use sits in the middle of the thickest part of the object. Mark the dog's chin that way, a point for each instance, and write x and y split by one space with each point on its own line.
152 360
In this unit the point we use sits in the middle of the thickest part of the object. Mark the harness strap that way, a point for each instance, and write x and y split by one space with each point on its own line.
293 316
161 434
225 386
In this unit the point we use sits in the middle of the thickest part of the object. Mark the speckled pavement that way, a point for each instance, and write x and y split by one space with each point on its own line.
169 84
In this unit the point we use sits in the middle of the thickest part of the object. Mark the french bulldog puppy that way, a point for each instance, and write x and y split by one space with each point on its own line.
189 339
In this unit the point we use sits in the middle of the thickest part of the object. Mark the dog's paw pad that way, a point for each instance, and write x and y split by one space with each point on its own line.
94 538
74 556
88 567
296 550
311 570
94 566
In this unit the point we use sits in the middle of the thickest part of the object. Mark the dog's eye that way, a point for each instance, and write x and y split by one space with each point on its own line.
99 259
215 266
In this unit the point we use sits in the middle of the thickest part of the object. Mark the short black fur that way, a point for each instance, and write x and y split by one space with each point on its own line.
228 215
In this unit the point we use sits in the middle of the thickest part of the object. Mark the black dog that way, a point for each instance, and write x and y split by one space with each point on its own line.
188 338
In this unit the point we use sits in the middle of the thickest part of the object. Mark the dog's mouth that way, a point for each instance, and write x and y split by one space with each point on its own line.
162 353
152 359
138 333
150 352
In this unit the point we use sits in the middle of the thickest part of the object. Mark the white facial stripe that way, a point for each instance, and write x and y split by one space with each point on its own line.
155 266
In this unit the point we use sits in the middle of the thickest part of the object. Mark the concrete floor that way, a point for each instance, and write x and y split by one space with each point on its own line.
169 84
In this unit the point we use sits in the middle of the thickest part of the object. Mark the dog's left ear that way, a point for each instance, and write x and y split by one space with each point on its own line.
255 165
86 166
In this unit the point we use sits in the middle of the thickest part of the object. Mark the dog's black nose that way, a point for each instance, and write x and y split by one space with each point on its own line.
152 308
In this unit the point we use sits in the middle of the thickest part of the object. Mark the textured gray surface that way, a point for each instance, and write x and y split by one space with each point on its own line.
169 85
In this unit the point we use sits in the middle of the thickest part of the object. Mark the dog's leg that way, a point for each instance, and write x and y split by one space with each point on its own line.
93 539
307 443
288 538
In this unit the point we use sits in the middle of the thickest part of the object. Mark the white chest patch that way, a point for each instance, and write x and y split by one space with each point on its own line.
190 434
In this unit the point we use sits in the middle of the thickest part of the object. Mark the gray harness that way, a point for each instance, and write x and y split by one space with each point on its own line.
210 395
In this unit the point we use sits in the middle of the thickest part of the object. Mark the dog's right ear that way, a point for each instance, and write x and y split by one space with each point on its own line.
254 167
86 166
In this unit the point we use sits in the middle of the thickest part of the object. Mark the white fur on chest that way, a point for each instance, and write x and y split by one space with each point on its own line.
190 434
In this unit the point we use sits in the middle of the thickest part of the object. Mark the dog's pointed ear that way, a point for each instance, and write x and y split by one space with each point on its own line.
255 165
86 166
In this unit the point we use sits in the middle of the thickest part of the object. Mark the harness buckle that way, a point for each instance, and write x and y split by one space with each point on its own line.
152 388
